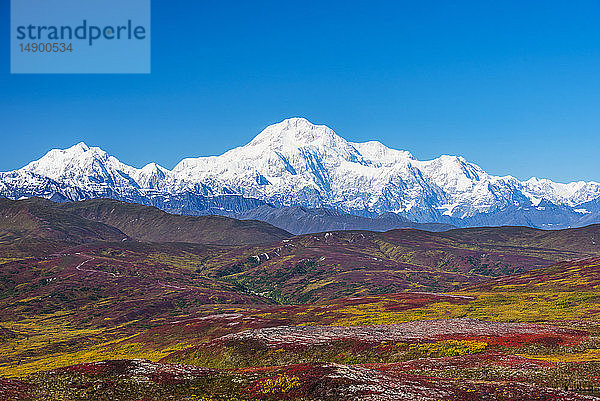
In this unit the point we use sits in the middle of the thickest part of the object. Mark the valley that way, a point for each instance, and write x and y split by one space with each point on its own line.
103 300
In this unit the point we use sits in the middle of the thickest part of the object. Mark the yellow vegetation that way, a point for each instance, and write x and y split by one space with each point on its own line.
116 349
592 355
449 348
280 384
502 307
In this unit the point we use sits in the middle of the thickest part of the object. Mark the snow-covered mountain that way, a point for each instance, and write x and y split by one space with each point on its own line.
296 163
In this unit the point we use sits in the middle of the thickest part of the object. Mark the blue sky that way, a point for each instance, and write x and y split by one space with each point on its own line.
513 86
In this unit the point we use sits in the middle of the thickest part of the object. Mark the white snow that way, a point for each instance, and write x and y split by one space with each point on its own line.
295 162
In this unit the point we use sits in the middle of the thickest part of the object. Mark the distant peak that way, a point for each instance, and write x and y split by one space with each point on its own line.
377 151
452 158
296 131
153 167
82 149
150 166
296 121
297 125
81 146
536 180
60 163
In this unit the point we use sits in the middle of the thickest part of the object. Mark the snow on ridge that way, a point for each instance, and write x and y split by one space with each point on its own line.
295 162
570 194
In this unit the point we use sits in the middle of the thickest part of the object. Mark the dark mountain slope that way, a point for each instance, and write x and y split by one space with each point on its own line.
301 220
584 239
38 218
147 223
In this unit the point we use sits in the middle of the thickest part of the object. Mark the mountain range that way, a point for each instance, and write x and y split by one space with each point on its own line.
295 163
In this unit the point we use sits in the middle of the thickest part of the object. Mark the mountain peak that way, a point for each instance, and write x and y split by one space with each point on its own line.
80 165
377 152
76 151
81 147
296 162
151 176
152 167
296 121
297 132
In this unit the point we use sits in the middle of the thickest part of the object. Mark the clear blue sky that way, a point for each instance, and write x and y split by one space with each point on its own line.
511 85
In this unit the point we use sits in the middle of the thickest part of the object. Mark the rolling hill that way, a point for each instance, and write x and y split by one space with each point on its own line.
147 223
335 264
578 275
41 219
109 220
85 315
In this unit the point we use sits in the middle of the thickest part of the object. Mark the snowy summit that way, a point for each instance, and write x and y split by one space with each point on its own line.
295 162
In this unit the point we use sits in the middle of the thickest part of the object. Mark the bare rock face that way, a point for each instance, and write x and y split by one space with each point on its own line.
411 331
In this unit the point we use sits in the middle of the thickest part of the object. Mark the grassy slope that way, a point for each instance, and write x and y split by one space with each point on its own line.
88 295
172 302
578 275
333 265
